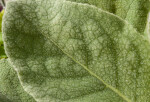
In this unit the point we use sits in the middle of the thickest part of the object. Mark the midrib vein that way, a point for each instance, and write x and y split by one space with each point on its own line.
93 74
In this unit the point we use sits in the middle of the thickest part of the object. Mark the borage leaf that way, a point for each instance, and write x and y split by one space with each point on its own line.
133 11
10 87
70 52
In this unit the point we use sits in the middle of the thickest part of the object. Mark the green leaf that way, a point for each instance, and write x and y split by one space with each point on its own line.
10 87
71 52
4 98
133 11
147 30
2 52
1 15
108 5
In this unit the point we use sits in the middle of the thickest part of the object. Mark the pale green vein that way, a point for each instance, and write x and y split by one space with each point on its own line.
93 74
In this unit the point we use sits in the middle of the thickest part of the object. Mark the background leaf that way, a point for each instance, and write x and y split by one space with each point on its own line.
108 5
2 52
133 11
10 87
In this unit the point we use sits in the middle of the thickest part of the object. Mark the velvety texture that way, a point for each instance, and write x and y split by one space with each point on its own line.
78 50
10 87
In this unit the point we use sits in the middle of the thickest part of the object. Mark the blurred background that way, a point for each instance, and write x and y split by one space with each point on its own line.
2 4
1 7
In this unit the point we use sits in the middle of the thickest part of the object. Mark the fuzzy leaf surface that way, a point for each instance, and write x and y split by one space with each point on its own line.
10 87
65 51
133 11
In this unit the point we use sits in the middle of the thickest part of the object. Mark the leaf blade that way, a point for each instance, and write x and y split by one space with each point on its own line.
10 86
29 52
